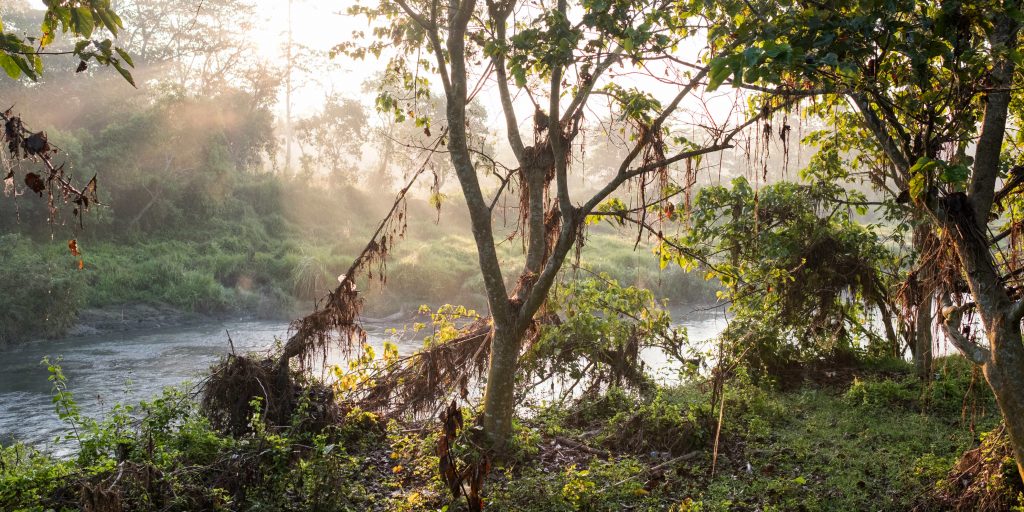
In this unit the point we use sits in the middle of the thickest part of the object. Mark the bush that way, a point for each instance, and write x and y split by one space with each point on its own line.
41 290
600 485
658 425
165 455
955 385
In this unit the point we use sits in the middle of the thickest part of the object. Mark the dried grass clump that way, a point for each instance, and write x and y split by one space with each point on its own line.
233 385
984 479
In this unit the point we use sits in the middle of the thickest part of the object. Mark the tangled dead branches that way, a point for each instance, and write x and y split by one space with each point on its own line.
230 390
238 380
55 183
417 383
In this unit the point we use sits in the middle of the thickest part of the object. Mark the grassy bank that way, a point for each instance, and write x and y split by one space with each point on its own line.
870 439
42 290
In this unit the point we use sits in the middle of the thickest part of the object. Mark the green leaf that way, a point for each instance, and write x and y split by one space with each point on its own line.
924 165
124 72
954 174
81 21
10 67
752 55
109 20
917 185
1017 57
124 55
718 73
25 67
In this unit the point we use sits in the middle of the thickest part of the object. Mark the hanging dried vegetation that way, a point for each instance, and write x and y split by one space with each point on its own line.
237 380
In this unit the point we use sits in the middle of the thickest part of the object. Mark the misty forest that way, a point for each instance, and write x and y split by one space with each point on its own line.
699 255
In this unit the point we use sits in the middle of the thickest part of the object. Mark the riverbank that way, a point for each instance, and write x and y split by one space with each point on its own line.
879 440
131 283
133 317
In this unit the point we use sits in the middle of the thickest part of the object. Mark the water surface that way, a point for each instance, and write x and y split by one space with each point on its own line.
103 370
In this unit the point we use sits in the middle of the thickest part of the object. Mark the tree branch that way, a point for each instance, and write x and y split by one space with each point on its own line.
555 137
499 16
993 125
877 128
951 317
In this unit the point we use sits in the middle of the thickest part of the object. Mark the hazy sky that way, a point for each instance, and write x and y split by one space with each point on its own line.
320 25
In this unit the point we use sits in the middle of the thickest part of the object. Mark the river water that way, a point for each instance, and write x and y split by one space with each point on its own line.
103 370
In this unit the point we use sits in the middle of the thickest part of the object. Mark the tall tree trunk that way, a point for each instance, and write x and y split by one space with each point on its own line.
1002 361
923 338
499 394
1005 374
922 342
288 98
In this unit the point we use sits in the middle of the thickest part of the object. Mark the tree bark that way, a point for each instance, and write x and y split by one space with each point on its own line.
499 394
1002 361
1005 374
922 341
890 331
922 352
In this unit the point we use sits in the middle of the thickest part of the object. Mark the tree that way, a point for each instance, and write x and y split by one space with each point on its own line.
931 83
78 19
334 137
565 59
198 46
801 275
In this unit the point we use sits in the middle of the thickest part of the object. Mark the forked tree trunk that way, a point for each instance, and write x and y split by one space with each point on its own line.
1002 362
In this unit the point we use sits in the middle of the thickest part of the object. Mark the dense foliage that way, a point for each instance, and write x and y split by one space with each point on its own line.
804 278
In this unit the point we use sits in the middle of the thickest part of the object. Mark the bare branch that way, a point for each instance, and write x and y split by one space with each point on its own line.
877 128
504 184
419 18
499 16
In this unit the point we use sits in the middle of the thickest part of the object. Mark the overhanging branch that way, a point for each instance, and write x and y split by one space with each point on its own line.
950 321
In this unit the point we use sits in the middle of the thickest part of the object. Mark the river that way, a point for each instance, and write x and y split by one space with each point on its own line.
103 370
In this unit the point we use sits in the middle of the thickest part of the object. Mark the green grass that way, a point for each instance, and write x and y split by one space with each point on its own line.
237 267
810 449
827 455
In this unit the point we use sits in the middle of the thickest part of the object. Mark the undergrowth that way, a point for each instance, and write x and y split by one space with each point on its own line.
882 442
